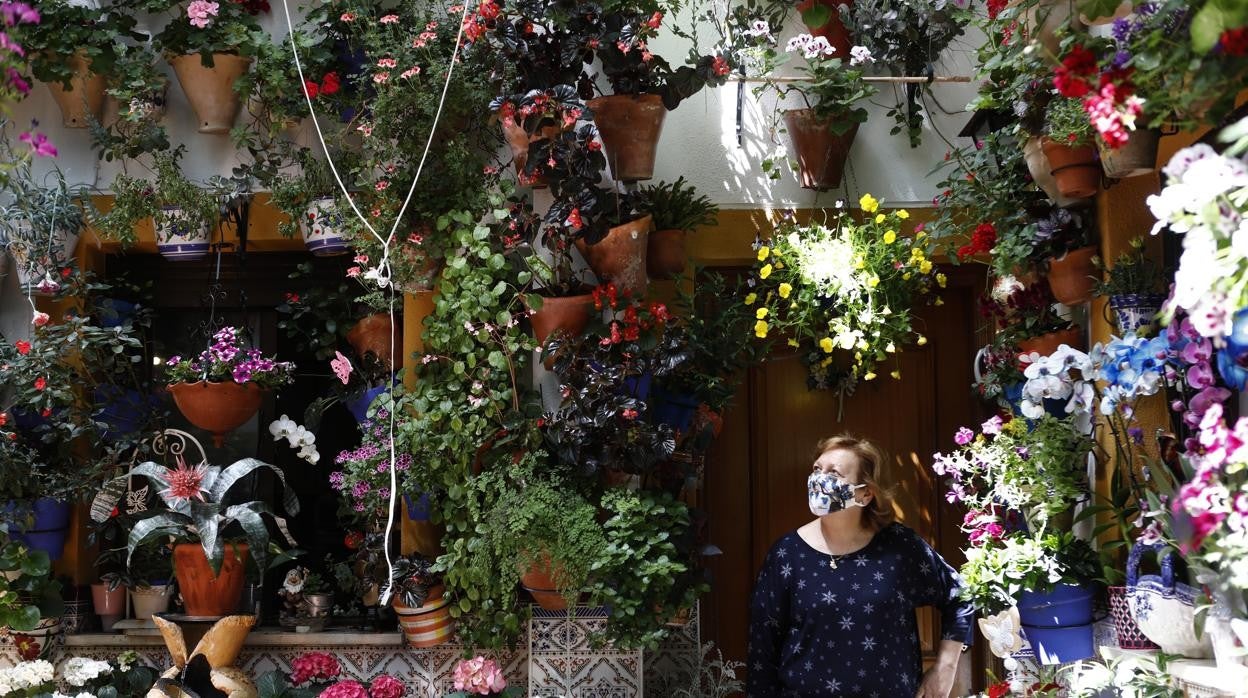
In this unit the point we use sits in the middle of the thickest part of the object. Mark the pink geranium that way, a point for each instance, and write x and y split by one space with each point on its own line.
479 676
314 665
345 689
201 12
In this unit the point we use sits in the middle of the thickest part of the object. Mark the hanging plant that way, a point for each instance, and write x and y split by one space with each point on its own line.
844 292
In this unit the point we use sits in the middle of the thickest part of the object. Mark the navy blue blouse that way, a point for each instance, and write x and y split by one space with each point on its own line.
851 630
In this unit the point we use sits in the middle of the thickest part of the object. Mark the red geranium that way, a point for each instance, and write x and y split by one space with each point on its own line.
23 347
1071 78
311 88
40 383
1234 42
982 241
330 84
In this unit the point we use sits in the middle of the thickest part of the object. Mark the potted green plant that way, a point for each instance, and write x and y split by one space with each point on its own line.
140 89
182 212
149 584
309 199
222 387
42 225
1070 250
272 90
1068 146
210 45
823 132
212 537
677 209
1025 317
74 49
1132 286
419 598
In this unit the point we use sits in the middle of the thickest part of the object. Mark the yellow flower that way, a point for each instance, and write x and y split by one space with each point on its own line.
860 263
779 264
906 276
896 375
760 329
792 342
939 301
827 345
750 298
903 214
760 313
870 376
765 271
785 289
890 236
925 267
869 203
921 340
879 218
763 252
916 253
873 281
941 280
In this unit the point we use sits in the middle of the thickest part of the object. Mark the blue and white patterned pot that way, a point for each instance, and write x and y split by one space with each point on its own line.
322 229
1133 311
1164 608
37 256
176 237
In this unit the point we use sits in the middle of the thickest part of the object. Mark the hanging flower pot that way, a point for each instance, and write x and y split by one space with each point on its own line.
375 334
620 257
1046 344
538 580
217 407
569 314
211 90
821 153
1073 275
429 624
1135 311
1042 172
322 229
36 257
177 238
630 126
1075 168
205 593
834 29
665 253
85 96
1136 157
1046 20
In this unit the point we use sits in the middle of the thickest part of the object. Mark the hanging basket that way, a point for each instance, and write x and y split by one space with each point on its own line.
620 257
1042 172
821 154
1073 276
1135 311
83 102
322 229
1136 157
217 407
211 90
630 126
177 239
1075 168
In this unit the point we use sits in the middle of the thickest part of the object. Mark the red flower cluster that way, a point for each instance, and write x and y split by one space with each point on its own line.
475 25
995 7
720 66
23 348
329 85
609 293
1072 77
1234 42
982 241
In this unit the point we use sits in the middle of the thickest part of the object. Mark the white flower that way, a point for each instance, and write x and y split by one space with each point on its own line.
818 47
859 55
77 671
309 454
281 427
760 29
798 43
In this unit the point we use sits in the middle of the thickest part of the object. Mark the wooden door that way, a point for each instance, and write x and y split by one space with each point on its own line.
757 473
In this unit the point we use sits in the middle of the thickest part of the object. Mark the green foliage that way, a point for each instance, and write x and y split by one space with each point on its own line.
677 206
170 200
1132 272
233 30
100 34
995 575
27 590
1067 123
716 676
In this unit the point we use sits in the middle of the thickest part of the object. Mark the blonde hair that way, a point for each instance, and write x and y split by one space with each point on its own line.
879 513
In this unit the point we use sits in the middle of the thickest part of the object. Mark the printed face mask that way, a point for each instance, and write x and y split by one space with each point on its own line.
827 492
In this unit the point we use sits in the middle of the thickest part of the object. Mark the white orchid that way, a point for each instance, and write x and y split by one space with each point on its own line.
297 436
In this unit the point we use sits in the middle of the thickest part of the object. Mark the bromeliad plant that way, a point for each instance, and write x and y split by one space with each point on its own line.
202 505
844 292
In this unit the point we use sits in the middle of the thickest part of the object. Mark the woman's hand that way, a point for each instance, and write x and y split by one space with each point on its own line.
938 681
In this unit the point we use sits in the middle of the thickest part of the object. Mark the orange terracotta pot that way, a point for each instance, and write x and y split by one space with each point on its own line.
538 580
821 154
834 29
373 334
519 140
1072 276
1076 169
1046 344
211 90
428 625
630 126
620 257
665 253
569 314
85 96
217 407
204 593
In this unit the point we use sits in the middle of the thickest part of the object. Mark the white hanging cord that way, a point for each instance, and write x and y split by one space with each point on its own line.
383 266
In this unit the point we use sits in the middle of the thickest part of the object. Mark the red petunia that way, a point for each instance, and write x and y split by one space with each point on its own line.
1071 77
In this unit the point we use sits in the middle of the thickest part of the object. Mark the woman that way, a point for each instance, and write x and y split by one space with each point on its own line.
833 610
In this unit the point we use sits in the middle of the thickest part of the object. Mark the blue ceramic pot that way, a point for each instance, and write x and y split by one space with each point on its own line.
1066 605
1060 645
1237 340
359 406
1234 375
124 410
49 529
115 312
673 409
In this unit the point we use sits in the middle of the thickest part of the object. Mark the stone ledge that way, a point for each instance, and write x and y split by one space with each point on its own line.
262 637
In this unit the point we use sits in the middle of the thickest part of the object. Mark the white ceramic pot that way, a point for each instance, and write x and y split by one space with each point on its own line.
153 599
176 239
37 257
1164 609
322 229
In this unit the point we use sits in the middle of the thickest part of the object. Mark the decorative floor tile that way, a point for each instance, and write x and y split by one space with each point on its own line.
562 663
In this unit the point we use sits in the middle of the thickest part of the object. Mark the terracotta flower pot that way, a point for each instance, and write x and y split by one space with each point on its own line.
85 96
204 593
428 625
1045 20
538 580
211 90
373 334
630 126
834 29
217 407
1136 157
1042 172
821 154
665 253
1076 170
110 606
1046 344
567 313
519 140
620 257
1073 275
